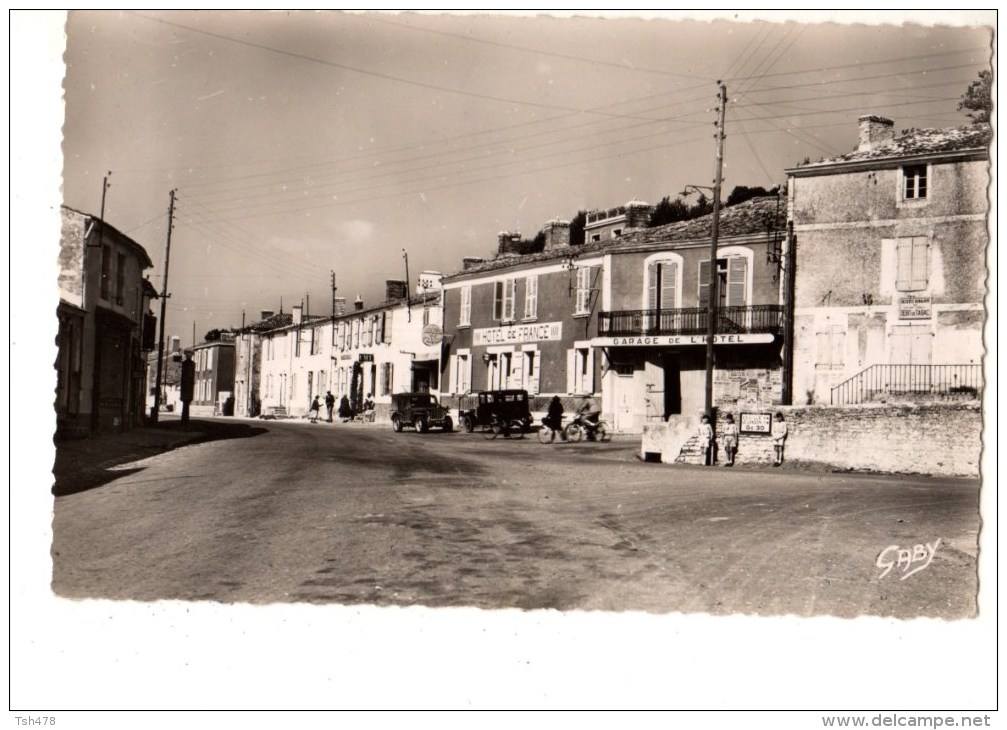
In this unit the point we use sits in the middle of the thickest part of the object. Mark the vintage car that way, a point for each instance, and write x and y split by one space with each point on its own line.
419 410
507 409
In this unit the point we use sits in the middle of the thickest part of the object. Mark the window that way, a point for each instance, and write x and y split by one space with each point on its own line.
465 311
580 370
583 304
503 300
531 297
914 182
463 373
120 278
831 343
366 332
911 264
106 271
732 282
529 372
662 285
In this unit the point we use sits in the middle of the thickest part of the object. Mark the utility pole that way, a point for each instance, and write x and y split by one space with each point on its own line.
332 276
714 295
164 304
409 312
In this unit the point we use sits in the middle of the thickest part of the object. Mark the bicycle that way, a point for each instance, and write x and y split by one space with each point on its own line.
578 428
547 434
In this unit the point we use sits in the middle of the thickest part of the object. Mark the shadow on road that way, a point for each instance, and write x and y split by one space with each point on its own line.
84 464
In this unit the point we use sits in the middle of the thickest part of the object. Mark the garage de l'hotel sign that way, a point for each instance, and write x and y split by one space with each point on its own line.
681 340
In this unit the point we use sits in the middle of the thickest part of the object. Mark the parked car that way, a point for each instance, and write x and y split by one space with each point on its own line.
419 410
505 408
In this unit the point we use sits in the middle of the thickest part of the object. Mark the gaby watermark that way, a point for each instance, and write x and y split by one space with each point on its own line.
908 560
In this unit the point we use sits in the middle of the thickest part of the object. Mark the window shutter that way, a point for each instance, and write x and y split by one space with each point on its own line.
533 372
589 370
704 283
571 370
669 285
737 280
653 276
920 256
903 264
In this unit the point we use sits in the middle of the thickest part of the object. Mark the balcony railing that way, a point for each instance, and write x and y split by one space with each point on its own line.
910 382
757 318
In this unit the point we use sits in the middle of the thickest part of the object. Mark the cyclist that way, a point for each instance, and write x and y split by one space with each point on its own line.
589 414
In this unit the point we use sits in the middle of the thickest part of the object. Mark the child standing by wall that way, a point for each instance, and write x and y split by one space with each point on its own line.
706 440
779 437
730 439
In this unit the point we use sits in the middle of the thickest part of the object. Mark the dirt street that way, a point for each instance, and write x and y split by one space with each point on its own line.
349 514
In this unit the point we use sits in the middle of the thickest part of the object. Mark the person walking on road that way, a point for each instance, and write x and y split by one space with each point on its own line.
330 404
779 433
315 408
730 439
706 439
555 414
345 412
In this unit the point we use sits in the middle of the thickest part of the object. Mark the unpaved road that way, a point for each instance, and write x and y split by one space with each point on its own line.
352 514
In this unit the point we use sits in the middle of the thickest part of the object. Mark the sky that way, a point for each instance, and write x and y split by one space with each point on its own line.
302 144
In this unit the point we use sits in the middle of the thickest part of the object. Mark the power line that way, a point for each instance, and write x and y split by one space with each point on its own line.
376 74
536 51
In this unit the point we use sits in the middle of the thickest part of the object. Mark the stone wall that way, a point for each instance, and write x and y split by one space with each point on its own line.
939 439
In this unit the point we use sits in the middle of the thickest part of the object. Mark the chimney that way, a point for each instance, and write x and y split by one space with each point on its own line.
508 243
266 314
340 306
395 289
358 304
470 261
638 214
296 311
875 133
557 234
176 343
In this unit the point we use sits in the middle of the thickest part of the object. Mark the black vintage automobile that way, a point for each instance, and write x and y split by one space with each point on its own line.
419 410
496 412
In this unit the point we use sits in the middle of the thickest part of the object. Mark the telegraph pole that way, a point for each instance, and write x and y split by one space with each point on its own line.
332 276
714 296
409 312
164 304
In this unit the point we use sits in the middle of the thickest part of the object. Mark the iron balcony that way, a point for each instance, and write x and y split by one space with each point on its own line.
757 318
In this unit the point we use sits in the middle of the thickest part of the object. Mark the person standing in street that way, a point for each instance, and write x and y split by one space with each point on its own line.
188 386
330 404
315 408
779 437
555 414
730 439
706 439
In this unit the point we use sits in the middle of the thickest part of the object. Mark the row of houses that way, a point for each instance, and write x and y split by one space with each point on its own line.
863 280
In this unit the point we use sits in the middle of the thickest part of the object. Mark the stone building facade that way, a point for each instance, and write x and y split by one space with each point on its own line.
106 327
890 247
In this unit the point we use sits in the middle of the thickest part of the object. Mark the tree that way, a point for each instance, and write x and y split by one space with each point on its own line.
577 228
977 101
669 211
741 193
212 336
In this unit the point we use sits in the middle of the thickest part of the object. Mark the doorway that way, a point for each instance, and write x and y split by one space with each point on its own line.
672 385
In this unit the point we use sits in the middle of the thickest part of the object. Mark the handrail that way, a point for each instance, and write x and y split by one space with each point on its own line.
881 382
756 318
